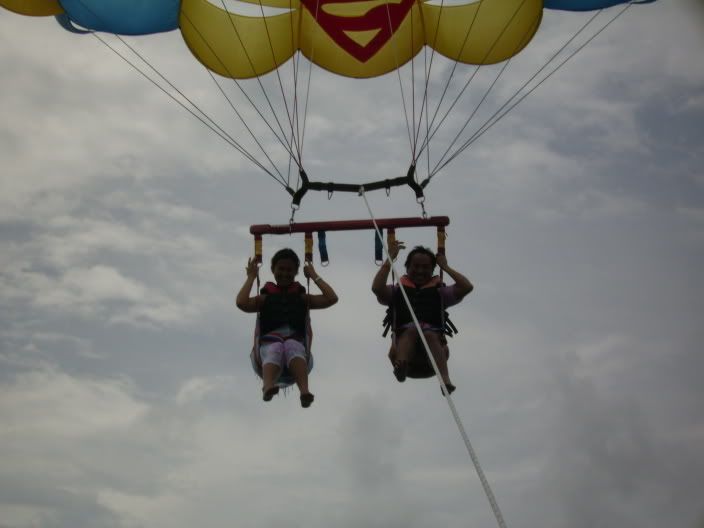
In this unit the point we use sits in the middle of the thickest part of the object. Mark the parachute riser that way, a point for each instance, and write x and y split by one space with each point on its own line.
331 187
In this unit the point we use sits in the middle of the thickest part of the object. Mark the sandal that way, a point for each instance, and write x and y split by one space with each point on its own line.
306 400
269 393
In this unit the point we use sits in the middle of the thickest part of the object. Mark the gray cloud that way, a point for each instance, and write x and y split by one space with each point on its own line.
126 395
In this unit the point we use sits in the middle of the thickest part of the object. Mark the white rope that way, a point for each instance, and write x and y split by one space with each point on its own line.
472 454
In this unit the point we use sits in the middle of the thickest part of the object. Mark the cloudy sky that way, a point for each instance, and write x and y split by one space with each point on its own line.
126 394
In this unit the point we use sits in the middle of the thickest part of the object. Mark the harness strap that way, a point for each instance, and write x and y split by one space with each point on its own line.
278 338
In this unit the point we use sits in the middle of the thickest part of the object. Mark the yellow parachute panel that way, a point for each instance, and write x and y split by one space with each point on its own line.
33 7
486 32
282 4
234 45
363 38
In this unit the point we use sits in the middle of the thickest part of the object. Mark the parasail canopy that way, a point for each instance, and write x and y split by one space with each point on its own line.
352 38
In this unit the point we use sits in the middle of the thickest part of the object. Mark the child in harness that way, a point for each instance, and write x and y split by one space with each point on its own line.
282 346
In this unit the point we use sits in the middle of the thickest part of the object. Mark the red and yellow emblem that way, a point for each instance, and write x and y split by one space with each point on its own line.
361 28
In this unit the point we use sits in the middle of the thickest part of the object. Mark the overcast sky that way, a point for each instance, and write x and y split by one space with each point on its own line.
126 394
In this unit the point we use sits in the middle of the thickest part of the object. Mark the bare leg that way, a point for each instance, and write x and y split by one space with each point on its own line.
270 373
438 350
392 353
405 344
299 370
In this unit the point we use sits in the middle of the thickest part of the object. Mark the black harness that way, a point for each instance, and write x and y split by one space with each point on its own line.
283 307
427 305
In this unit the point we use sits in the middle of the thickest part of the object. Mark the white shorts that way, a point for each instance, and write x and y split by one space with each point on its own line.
280 350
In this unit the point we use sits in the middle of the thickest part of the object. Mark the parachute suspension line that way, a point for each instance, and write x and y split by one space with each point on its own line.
425 105
294 138
302 130
244 123
471 78
427 66
400 82
413 90
295 133
241 89
425 114
413 136
428 137
203 117
310 75
220 131
500 113
465 437
488 123
305 104
244 93
471 116
286 144
295 65
426 73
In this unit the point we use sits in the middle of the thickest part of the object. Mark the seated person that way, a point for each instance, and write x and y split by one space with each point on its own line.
428 299
283 311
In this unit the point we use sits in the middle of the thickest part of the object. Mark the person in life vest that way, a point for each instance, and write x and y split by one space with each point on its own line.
428 298
283 313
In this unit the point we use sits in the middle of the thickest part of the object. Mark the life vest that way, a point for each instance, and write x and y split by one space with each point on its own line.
283 306
425 300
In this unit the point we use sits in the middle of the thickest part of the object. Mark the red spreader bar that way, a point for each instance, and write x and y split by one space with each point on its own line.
390 224
347 225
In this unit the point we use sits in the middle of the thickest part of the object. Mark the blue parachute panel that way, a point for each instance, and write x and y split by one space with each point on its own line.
587 5
124 17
